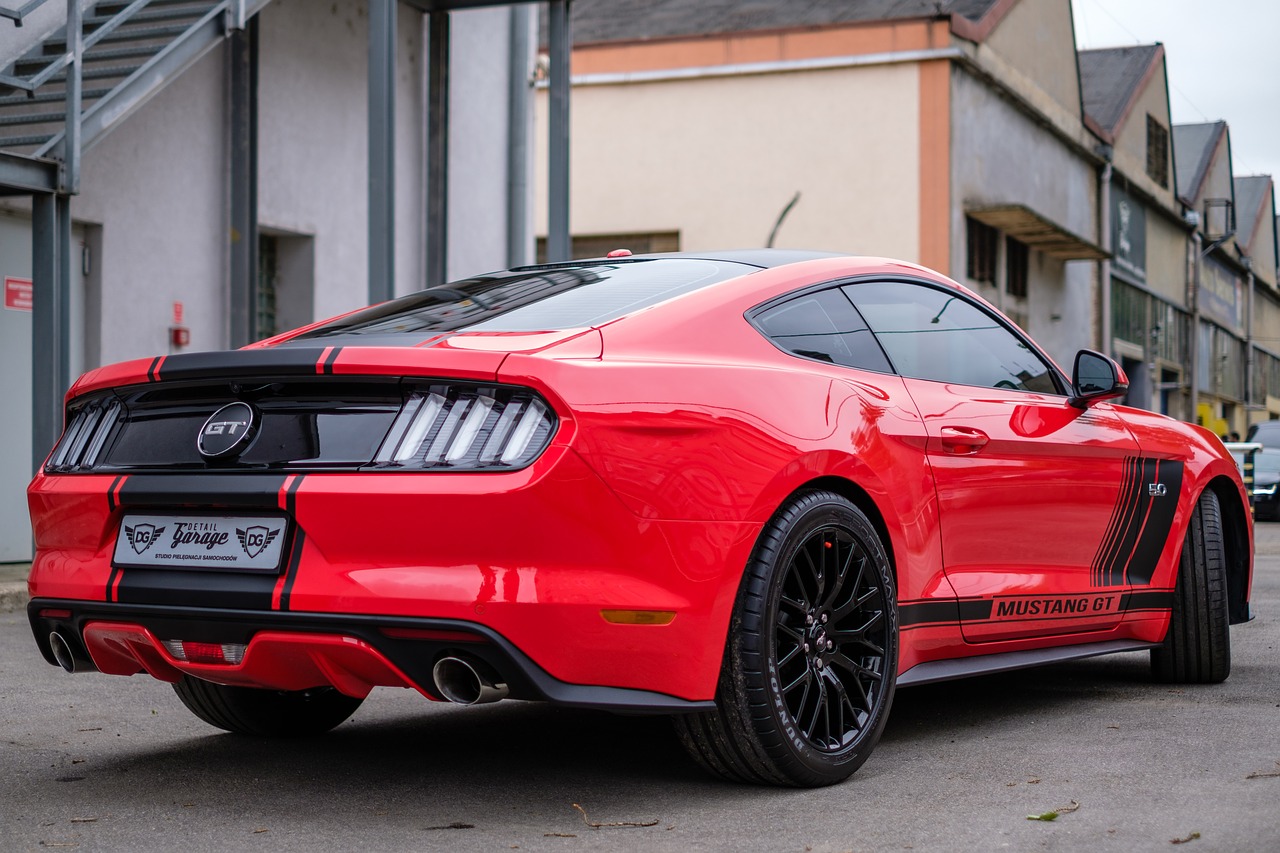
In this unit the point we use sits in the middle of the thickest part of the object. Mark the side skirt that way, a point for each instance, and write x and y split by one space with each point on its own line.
947 670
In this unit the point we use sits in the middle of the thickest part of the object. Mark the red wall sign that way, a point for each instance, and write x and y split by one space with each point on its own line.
17 293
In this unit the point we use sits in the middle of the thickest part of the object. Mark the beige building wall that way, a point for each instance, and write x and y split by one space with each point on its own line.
1037 37
1166 258
1130 152
717 158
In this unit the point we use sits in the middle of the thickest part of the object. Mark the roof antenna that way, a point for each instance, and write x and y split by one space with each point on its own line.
781 216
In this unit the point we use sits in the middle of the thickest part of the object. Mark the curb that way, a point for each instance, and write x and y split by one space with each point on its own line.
13 597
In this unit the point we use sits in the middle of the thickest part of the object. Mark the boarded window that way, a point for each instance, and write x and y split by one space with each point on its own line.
1157 152
1015 254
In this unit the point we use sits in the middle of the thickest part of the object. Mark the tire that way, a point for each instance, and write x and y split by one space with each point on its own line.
812 653
266 713
1197 647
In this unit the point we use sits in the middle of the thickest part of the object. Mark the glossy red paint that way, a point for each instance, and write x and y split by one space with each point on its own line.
681 430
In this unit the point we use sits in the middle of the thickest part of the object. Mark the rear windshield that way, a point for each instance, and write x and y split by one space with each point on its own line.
536 299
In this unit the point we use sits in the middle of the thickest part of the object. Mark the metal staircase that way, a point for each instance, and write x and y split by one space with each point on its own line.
129 50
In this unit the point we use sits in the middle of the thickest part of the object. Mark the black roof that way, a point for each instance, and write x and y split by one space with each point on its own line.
1250 192
633 20
1109 81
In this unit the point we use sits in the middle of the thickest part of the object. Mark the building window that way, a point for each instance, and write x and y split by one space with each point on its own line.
981 263
1157 152
1015 255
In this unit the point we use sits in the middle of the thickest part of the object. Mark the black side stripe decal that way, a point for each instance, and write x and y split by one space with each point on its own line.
1147 600
1140 522
153 372
943 612
327 367
299 539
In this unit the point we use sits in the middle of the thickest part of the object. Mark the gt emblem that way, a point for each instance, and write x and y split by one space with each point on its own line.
1157 490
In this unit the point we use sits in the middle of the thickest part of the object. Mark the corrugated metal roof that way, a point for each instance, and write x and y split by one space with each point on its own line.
1109 81
1193 146
1251 191
596 21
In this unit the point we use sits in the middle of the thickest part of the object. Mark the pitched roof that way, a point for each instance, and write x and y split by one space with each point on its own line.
1111 79
1193 146
595 21
1251 195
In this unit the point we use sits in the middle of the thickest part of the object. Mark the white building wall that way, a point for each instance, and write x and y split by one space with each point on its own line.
157 186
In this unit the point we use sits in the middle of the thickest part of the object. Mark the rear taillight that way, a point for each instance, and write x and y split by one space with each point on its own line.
86 434
468 428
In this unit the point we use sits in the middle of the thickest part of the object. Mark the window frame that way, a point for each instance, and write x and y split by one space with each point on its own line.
1060 378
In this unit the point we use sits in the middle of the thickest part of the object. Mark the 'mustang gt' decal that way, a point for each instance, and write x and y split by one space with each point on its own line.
1058 606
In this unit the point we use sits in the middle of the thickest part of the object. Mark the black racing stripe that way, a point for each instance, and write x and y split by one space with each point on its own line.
1111 550
1147 600
111 493
111 508
241 590
924 612
1113 526
1155 533
327 367
153 374
273 361
206 489
291 573
1137 519
975 610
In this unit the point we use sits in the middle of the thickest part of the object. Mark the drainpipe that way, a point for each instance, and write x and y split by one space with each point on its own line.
1249 365
1193 345
518 112
1104 265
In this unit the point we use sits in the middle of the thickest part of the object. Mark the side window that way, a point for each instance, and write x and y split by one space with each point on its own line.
930 333
823 326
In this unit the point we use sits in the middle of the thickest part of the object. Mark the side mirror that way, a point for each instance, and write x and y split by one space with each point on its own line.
1095 378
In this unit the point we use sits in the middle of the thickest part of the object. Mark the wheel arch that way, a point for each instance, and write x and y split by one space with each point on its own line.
1236 538
859 497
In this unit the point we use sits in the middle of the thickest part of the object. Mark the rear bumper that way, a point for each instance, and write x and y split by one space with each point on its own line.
295 651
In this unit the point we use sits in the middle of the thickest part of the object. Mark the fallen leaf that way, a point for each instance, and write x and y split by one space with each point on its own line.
1069 809
98 729
83 819
1264 774
595 825
1047 816
1192 837
558 835
454 825
260 831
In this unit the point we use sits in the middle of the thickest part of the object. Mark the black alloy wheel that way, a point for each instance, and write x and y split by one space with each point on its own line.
810 666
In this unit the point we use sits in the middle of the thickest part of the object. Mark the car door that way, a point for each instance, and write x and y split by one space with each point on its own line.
1032 491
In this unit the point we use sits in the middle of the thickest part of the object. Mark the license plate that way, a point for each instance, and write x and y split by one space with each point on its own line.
218 542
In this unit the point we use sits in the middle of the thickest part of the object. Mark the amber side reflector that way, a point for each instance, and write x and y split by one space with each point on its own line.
639 617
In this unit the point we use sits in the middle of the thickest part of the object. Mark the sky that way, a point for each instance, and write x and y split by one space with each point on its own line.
1221 58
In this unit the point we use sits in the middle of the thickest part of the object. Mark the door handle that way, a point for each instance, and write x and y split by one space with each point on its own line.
962 440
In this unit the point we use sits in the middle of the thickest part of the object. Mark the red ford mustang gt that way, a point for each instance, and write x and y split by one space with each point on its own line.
754 490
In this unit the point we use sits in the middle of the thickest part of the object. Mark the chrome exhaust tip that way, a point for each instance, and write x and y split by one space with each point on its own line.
62 652
467 682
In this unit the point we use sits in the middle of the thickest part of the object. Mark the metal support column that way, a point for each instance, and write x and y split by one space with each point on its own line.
243 63
559 247
50 319
69 178
382 149
518 135
437 261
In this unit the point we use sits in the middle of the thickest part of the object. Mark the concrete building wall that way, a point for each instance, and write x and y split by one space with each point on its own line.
157 187
1037 37
1000 156
718 158
1167 258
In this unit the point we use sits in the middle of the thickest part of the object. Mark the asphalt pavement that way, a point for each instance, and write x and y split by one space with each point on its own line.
95 762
